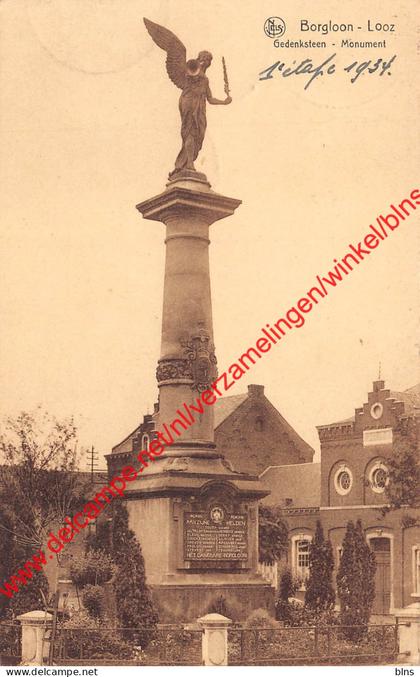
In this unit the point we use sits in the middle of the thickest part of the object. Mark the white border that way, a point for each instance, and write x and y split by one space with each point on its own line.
338 488
381 410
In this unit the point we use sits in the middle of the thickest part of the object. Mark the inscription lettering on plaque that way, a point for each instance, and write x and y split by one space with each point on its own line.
215 535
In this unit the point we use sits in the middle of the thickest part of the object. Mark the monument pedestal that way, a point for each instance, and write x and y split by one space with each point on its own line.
197 522
195 517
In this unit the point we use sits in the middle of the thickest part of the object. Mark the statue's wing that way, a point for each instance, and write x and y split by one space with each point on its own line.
176 54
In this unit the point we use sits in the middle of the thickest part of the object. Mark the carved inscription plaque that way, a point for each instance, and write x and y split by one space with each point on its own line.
215 535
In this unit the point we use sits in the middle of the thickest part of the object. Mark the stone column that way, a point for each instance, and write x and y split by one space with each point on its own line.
191 475
409 633
187 365
35 646
215 639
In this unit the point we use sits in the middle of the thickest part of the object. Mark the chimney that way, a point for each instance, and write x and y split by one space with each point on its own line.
255 391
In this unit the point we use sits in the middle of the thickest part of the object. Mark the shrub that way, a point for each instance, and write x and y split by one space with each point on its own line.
287 586
86 637
92 568
260 618
285 611
93 599
219 606
300 616
31 597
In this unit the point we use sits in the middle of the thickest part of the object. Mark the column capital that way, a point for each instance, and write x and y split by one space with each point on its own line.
188 201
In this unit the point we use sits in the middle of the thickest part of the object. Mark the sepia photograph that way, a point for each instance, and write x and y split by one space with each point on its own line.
209 330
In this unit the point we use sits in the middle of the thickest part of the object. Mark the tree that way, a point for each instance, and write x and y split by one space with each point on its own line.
272 534
320 595
39 481
134 603
31 597
402 490
7 557
356 582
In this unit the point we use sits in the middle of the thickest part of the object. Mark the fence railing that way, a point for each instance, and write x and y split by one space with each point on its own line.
313 645
177 645
164 645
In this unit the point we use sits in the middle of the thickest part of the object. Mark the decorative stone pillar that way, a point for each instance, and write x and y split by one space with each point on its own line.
35 645
409 633
215 639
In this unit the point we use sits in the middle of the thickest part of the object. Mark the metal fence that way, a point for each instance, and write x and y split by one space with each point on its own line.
10 643
311 645
166 645
177 645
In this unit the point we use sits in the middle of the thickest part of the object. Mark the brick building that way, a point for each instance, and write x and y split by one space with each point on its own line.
249 430
349 484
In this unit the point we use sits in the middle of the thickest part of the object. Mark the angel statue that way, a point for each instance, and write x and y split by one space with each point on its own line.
190 76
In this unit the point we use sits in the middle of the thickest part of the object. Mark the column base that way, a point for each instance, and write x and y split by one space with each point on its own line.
188 175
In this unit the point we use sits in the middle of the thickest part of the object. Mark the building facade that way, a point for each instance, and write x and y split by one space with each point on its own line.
350 484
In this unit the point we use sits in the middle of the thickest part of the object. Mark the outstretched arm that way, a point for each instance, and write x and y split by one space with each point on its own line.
217 102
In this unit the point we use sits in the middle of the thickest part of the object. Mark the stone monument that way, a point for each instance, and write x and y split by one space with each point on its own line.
196 518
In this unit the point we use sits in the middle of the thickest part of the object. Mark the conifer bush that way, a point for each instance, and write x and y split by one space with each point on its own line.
134 603
320 594
287 589
356 582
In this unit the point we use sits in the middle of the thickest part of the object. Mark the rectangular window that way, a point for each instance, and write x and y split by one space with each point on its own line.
302 559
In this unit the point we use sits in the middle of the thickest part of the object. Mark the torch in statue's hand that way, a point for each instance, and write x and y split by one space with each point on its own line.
225 77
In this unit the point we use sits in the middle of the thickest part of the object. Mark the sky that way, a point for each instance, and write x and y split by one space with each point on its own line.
90 127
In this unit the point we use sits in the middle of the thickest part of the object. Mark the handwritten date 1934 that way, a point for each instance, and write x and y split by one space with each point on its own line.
327 67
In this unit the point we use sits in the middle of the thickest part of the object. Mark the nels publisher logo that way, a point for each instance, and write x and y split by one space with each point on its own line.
274 27
217 514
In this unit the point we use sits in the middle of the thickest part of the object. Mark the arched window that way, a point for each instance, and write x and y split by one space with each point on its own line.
145 442
259 424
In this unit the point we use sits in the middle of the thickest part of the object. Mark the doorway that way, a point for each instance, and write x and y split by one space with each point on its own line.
382 549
